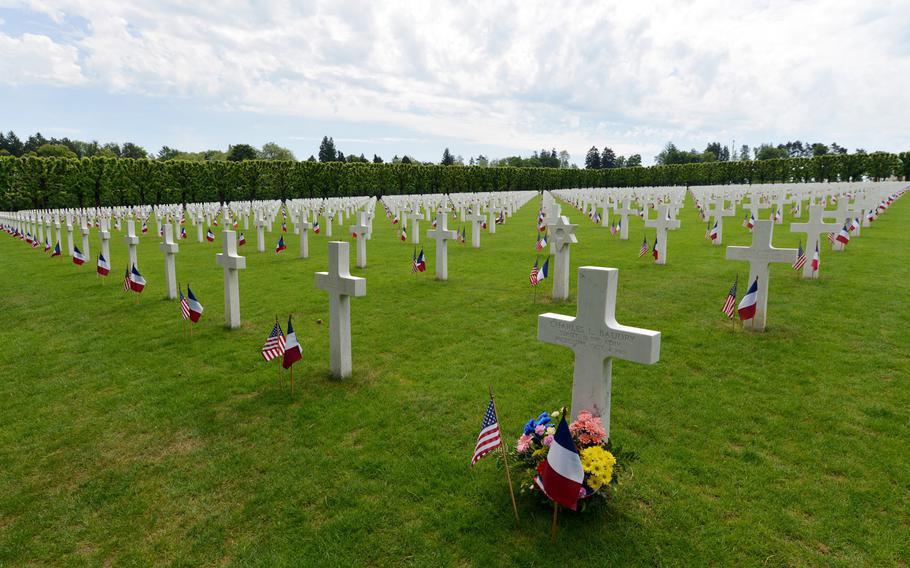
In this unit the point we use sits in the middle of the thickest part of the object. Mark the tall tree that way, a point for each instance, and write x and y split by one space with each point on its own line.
377 159
447 158
633 161
134 151
592 158
608 158
55 151
819 149
11 143
272 151
166 153
241 152
327 152
34 142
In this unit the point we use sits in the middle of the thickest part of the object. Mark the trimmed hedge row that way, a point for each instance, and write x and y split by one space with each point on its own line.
30 182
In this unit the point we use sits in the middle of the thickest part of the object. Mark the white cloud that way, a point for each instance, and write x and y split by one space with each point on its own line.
37 59
514 74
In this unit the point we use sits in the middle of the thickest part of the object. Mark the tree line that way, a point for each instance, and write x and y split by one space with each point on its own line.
50 182
716 152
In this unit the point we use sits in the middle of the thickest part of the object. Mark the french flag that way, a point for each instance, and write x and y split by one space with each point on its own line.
56 250
241 241
843 236
136 281
713 233
280 247
209 235
316 226
816 261
560 476
78 257
854 224
747 305
654 251
544 270
292 352
182 232
104 267
196 308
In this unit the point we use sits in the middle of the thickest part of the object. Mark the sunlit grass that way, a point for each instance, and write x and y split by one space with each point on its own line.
122 440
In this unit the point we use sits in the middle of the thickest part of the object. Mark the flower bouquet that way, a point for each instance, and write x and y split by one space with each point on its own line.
602 464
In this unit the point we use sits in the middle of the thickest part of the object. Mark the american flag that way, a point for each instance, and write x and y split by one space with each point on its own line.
800 257
184 306
644 248
831 238
534 272
730 302
489 438
274 345
126 280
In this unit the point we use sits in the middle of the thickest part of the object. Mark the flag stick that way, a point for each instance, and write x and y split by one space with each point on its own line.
735 311
292 381
505 459
553 528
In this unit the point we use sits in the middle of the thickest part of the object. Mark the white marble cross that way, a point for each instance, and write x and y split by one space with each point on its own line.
85 232
415 218
304 225
260 233
624 213
813 228
340 285
661 224
329 217
840 217
442 236
562 235
231 262
475 219
494 214
362 232
718 212
200 220
169 248
759 256
69 234
131 240
596 338
105 234
57 230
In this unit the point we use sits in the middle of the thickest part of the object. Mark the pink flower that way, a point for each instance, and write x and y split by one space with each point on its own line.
588 429
540 429
548 440
524 442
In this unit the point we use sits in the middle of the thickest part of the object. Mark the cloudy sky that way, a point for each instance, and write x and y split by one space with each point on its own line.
489 77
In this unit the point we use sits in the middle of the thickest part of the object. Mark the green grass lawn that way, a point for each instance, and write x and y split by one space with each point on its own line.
124 442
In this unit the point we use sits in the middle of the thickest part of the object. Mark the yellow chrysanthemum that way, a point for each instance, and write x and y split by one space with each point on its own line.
598 465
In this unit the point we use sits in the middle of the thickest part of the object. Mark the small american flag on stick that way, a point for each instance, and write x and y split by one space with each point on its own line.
800 257
489 438
274 345
184 306
644 248
730 302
